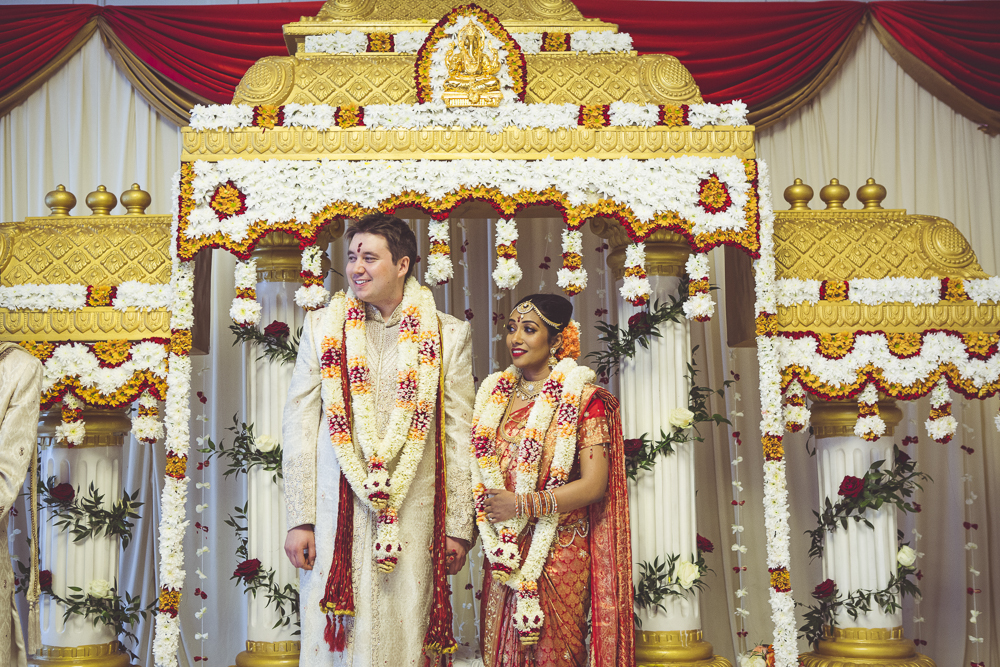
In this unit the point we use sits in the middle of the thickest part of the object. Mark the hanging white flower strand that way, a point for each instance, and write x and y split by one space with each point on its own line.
72 430
870 425
145 425
312 295
507 273
572 277
439 267
636 288
699 305
245 310
796 413
941 426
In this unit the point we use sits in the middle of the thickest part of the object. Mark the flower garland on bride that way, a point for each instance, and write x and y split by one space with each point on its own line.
561 396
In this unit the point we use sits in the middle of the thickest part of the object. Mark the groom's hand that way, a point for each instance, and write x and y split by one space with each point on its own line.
455 550
300 546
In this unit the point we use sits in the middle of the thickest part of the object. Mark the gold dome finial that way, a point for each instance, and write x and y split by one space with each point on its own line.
834 195
101 201
136 200
871 195
60 201
798 195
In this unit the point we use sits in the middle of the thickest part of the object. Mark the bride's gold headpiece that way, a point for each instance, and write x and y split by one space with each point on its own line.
526 307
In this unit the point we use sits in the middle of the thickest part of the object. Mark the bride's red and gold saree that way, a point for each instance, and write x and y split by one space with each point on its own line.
588 574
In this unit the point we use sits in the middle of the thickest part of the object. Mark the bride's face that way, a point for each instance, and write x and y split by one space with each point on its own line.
528 343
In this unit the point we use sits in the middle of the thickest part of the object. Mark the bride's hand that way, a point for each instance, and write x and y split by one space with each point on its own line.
499 505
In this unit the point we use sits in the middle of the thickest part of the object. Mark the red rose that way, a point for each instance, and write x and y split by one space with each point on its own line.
247 570
633 446
851 487
45 581
916 507
277 330
705 545
639 323
901 458
63 493
825 590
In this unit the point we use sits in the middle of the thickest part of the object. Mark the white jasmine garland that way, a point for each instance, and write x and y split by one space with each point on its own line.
337 42
506 233
221 116
943 427
245 275
317 116
439 267
983 290
529 42
507 273
130 294
312 260
871 427
697 266
793 291
635 288
572 279
699 307
592 41
311 297
247 311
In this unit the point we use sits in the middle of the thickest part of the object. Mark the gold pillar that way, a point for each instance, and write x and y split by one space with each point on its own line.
95 655
852 646
269 654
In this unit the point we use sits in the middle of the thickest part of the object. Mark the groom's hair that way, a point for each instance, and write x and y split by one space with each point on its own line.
397 234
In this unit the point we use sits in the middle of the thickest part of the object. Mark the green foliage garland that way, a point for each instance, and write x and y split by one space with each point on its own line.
86 517
280 349
244 454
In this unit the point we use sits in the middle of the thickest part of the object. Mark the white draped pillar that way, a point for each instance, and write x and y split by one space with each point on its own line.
77 640
663 519
858 557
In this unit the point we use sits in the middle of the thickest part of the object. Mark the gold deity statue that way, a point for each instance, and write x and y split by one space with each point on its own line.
472 68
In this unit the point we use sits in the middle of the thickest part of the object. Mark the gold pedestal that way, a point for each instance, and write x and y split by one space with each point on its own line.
270 654
93 655
865 647
667 649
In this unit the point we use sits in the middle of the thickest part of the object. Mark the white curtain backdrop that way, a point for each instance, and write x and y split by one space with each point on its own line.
86 127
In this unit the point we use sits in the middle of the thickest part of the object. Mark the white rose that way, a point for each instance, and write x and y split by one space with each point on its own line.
680 417
906 556
686 573
99 588
265 443
752 660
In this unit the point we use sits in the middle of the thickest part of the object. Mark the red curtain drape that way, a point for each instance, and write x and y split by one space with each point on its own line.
959 40
751 51
31 35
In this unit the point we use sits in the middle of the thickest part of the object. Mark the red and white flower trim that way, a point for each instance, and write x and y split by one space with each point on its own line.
941 426
439 266
507 273
878 291
312 295
870 425
418 369
561 396
145 425
796 413
699 305
245 310
572 277
72 430
636 288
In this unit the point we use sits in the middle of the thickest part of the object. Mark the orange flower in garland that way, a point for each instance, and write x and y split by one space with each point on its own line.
766 324
981 345
176 466
835 345
953 289
555 41
180 342
228 201
833 290
101 295
268 116
773 449
593 116
40 351
673 115
781 580
381 42
904 345
713 195
350 115
170 600
112 353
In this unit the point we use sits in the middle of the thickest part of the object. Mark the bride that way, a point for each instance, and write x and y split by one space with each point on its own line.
551 502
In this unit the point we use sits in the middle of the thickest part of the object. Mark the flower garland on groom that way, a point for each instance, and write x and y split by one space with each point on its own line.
376 460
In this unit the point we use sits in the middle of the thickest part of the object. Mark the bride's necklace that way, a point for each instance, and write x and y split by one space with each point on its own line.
527 391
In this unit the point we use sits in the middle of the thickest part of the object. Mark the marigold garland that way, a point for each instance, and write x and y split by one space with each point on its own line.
781 581
381 42
228 201
953 289
673 115
713 195
555 42
594 116
268 116
101 295
834 290
350 115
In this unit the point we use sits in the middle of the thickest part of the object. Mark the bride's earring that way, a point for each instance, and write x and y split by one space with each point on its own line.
552 357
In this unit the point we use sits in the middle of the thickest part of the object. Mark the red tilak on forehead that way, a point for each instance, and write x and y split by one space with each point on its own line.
359 246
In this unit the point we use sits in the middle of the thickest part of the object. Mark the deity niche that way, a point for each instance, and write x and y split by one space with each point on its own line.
472 68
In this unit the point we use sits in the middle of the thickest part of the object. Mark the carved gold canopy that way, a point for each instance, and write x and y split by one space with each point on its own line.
845 244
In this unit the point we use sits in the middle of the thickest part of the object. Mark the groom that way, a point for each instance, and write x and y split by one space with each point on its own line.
366 472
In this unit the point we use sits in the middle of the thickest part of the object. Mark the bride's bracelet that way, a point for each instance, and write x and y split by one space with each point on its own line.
535 505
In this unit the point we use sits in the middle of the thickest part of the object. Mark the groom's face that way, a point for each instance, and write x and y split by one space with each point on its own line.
374 277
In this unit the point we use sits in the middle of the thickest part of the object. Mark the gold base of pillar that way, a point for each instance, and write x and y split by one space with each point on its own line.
91 655
270 654
865 647
666 649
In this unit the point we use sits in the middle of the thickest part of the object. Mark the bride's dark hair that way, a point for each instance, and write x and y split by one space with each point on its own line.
553 307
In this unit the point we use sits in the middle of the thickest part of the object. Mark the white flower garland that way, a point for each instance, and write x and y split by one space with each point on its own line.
72 431
130 294
245 309
145 426
312 295
439 267
76 360
699 305
581 41
870 425
592 41
561 395
877 291
512 113
419 365
572 280
507 273
354 41
439 70
797 415
941 426
636 288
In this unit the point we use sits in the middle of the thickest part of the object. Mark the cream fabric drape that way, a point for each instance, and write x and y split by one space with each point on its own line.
87 126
